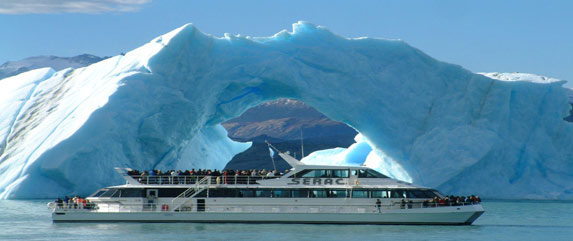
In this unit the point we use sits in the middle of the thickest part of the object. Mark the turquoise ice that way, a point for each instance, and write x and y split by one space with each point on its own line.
161 105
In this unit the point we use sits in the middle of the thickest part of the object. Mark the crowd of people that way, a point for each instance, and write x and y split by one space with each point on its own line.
208 172
192 176
76 202
452 201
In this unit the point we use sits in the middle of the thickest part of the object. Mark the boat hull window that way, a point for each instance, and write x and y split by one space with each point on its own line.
379 194
359 193
109 193
170 192
131 192
281 193
99 193
263 193
322 173
301 193
342 173
369 173
398 193
337 193
246 193
222 192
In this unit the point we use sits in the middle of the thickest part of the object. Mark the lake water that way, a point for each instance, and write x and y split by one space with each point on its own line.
503 220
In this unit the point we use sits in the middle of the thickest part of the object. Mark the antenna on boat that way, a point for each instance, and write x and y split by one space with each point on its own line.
301 144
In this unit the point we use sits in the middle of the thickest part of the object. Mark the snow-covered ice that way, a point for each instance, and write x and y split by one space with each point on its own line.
161 105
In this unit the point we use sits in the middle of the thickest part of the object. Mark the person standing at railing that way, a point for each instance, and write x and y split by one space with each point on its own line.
425 203
225 176
379 205
66 201
173 176
59 203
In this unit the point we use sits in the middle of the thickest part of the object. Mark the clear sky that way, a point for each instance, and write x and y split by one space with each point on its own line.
482 35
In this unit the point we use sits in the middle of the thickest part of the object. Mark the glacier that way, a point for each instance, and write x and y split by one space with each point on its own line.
161 105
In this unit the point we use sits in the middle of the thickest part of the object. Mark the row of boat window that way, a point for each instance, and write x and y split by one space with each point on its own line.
276 193
338 173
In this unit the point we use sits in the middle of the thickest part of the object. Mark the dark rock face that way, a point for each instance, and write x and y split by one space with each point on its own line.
285 119
570 117
280 122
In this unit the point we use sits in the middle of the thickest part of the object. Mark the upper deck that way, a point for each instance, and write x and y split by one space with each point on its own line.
300 175
305 176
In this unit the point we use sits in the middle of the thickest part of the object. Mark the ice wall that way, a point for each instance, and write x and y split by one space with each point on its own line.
160 105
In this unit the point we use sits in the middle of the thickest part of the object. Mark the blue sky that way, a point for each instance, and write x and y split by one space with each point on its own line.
482 36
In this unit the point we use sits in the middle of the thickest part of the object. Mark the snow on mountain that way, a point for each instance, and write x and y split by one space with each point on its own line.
12 68
161 105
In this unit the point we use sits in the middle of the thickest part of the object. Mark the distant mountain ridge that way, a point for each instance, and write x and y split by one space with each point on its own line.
284 123
12 68
285 119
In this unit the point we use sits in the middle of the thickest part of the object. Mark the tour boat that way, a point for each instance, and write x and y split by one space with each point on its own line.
306 194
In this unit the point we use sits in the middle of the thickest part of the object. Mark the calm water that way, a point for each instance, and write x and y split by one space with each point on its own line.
31 220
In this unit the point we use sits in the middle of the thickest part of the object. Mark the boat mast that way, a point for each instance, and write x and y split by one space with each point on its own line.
301 144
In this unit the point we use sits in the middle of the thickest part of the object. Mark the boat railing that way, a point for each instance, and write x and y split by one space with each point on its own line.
190 180
185 196
250 207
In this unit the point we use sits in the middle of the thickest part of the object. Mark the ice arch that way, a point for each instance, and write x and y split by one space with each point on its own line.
161 104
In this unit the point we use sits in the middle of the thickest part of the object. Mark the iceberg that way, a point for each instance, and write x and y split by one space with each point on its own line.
161 105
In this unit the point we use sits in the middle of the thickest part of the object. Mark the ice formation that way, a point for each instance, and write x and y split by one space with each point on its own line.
161 105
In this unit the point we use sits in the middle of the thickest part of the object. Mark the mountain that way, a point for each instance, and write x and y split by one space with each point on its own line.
285 119
161 106
284 123
12 68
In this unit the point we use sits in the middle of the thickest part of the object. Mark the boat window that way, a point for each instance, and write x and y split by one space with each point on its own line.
246 193
353 172
379 194
437 193
397 193
317 173
98 193
300 193
369 173
262 192
429 194
340 173
109 193
318 193
416 193
374 173
132 192
322 173
337 193
222 192
281 193
170 192
359 193
300 174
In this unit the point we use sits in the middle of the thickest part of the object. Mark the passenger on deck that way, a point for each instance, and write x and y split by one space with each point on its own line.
66 201
59 203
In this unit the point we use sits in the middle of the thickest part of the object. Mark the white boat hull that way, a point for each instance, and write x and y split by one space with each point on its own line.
452 215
